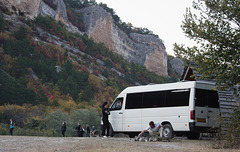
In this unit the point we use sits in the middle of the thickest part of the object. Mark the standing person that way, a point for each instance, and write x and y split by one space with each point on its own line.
154 129
64 128
12 124
93 131
88 131
106 125
78 128
81 131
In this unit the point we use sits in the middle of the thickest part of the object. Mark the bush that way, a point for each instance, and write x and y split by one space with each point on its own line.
232 136
86 116
4 129
54 122
2 22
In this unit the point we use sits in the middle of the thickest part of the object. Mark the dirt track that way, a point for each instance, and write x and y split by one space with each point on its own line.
75 144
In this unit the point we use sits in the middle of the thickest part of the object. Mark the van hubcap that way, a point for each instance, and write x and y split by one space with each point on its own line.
166 132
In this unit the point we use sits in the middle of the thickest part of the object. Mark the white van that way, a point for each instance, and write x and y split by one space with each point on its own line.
188 108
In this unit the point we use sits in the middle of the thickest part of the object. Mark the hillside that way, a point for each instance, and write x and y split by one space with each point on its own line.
49 74
100 23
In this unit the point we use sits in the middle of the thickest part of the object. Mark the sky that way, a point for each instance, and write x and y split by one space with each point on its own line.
163 17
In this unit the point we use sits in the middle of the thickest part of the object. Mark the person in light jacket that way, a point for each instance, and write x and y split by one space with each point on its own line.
154 129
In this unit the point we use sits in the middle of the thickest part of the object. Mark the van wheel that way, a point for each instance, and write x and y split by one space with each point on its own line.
111 132
193 135
167 131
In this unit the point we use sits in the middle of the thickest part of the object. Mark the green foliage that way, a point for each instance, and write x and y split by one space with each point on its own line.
217 31
52 26
86 116
75 18
54 121
2 22
76 80
14 91
83 116
4 129
19 47
233 134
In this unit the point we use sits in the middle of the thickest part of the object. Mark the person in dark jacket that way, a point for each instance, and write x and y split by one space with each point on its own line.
64 128
106 124
78 128
81 131
88 131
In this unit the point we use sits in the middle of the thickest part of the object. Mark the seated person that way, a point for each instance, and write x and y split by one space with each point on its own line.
154 129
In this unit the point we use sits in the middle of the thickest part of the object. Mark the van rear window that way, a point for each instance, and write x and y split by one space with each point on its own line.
206 98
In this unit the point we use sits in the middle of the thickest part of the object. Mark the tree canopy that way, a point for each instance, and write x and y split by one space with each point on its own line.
216 30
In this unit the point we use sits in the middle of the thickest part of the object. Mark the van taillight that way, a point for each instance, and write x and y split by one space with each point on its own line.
192 115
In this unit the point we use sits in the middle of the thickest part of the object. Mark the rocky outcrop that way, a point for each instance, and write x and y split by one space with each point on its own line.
28 8
33 8
146 50
177 65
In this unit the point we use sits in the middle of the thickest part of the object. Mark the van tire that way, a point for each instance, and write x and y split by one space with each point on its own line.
167 131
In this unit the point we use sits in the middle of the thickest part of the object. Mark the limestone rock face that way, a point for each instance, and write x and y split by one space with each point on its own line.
27 8
177 65
33 8
146 50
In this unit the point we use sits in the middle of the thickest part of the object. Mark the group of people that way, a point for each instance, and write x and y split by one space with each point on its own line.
80 130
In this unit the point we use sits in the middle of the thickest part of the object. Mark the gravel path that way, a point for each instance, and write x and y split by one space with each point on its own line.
98 144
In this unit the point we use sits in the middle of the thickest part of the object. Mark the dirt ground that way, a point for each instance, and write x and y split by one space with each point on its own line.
98 144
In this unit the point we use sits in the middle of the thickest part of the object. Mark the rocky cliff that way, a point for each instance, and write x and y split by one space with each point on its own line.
146 50
33 8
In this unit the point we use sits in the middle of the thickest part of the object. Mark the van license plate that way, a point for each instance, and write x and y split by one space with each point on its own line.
201 120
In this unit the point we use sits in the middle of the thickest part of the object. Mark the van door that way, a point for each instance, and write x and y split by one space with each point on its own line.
213 109
132 115
206 108
116 114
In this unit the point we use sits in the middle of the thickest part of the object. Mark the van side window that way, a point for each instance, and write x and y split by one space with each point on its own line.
117 105
154 99
177 98
134 100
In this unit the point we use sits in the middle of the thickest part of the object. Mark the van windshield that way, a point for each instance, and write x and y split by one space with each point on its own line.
206 98
117 105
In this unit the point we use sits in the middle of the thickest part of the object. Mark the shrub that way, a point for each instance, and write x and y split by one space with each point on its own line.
54 121
232 136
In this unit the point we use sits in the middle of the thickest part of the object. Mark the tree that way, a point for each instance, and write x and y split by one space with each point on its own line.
217 31
2 22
